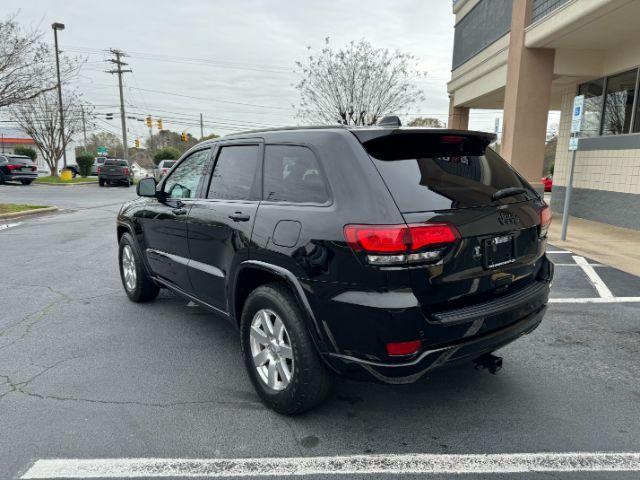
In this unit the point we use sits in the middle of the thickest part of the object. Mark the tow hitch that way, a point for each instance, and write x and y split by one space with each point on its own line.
490 362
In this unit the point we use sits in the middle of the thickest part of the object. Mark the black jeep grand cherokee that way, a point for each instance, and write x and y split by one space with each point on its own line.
369 252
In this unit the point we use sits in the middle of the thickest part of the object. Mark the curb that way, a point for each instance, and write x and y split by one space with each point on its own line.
65 184
27 213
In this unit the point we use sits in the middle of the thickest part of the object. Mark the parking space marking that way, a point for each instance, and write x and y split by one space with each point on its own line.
558 251
9 225
340 465
594 278
596 300
576 265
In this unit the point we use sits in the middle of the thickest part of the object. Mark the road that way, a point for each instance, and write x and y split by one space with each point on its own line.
87 374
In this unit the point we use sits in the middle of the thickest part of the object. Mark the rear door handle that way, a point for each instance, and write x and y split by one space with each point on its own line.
179 211
240 217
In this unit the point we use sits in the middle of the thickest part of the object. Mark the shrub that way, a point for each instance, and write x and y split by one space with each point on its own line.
168 153
85 162
29 152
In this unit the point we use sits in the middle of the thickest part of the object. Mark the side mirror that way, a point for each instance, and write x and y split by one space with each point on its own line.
147 187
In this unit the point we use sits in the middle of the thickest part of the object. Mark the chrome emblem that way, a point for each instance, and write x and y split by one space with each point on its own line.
508 218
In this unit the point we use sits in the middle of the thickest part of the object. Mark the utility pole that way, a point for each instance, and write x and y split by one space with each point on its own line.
84 129
60 26
119 64
201 128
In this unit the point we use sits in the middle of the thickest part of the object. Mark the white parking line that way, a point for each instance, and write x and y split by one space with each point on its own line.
340 465
558 251
596 300
594 278
9 225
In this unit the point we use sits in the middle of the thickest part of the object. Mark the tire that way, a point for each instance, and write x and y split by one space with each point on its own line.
127 183
141 288
2 179
26 182
310 381
101 182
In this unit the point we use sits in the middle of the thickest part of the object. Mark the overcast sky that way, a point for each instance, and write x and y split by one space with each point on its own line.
236 57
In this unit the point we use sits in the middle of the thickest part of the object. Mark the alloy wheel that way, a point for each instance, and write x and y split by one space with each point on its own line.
129 268
271 349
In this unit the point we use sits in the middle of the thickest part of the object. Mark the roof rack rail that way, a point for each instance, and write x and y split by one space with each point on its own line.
390 121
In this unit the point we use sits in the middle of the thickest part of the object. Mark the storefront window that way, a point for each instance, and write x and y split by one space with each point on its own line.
618 103
592 92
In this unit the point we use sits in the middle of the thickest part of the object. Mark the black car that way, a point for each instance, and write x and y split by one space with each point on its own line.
115 171
379 253
19 168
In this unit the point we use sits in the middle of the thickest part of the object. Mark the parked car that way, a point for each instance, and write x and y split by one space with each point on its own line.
547 182
163 168
18 168
115 171
98 162
376 253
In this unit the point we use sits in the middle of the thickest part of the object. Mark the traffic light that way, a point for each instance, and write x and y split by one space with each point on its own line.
137 143
159 124
149 121
183 137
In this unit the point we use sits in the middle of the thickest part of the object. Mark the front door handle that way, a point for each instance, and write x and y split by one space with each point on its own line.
240 217
179 211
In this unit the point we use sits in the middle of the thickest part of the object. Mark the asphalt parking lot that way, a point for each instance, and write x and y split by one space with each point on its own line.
87 375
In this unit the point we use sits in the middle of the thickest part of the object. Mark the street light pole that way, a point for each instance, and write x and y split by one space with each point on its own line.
60 26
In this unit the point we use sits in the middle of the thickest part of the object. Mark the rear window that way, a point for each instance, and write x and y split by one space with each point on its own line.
119 163
436 175
168 163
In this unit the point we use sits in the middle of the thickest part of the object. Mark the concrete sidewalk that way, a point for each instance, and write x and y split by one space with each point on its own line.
615 246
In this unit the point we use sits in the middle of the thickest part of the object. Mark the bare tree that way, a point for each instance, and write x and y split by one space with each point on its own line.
356 85
27 64
426 122
40 119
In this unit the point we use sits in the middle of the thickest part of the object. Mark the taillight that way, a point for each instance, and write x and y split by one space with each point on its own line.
98 169
126 171
164 171
14 167
545 220
394 244
403 348
452 139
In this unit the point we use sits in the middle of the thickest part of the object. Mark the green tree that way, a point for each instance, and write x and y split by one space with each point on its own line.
168 138
85 162
105 139
29 152
167 153
211 136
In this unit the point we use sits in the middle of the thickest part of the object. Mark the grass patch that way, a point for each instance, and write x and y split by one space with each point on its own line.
16 207
57 181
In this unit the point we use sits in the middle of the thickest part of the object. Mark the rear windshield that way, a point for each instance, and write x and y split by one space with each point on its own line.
168 164
441 177
119 163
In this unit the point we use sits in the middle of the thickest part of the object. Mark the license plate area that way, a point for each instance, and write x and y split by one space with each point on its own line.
498 251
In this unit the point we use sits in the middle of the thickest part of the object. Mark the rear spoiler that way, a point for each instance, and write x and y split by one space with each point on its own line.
401 143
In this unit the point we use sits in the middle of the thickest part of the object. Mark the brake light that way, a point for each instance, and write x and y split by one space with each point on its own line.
126 171
98 170
452 139
397 244
545 220
14 167
403 348
164 171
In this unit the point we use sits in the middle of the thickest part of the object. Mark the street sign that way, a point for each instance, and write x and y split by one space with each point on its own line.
102 150
573 144
576 117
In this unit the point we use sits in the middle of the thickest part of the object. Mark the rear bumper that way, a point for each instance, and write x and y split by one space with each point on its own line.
428 360
114 178
21 176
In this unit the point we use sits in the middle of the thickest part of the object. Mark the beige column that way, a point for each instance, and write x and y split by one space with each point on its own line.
527 98
458 116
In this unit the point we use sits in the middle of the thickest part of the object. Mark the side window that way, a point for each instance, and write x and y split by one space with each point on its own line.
234 173
183 181
292 174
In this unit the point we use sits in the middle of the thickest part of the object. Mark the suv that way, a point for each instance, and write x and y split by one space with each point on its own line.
163 168
19 168
115 171
378 253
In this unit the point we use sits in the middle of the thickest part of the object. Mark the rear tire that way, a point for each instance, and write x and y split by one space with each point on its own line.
136 282
2 179
26 182
101 182
309 382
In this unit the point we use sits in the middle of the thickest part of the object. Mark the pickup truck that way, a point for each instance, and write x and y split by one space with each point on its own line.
115 171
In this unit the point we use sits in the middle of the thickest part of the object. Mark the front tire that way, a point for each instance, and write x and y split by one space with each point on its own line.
26 182
279 354
101 182
137 284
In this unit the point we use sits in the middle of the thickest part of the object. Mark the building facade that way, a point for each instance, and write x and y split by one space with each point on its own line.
528 57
